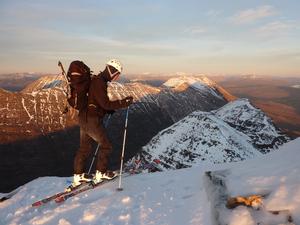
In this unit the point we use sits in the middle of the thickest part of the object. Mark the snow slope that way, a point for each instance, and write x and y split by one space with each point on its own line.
198 137
276 173
147 199
174 197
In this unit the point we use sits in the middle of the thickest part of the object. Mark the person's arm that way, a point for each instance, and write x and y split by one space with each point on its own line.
100 95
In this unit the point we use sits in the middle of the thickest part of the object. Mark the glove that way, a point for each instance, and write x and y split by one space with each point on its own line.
128 101
111 112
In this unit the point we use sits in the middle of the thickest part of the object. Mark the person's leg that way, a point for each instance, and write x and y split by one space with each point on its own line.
98 133
83 152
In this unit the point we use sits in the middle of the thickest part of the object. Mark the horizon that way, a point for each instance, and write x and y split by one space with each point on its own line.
164 75
216 38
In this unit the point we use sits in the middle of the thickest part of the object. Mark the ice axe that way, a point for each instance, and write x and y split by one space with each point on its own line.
63 71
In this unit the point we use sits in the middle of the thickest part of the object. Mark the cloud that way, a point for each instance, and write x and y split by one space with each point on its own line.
252 15
274 28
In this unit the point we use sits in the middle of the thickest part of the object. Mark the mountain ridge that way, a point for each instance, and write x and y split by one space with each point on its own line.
236 131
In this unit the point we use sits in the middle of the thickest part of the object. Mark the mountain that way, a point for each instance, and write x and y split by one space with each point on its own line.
25 115
17 81
253 122
236 131
200 136
35 135
275 95
34 127
173 197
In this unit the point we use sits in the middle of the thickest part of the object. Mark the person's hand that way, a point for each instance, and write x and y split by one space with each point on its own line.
111 112
128 100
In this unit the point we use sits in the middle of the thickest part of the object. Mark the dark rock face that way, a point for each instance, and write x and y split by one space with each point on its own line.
44 155
37 139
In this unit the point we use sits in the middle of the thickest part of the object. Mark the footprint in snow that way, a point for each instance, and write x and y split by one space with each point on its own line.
187 196
167 183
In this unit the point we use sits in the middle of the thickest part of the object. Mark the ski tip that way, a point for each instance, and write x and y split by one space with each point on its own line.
36 204
59 199
119 189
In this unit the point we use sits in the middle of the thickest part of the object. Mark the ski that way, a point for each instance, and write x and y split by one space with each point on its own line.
64 195
53 197
87 186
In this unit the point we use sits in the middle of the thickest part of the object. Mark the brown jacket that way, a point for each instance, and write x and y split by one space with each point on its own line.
98 101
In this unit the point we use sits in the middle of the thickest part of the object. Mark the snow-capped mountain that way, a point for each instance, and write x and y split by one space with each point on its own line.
173 197
200 83
200 136
234 132
253 122
45 82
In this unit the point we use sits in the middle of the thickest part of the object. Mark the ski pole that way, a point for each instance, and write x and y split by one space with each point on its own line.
97 149
123 149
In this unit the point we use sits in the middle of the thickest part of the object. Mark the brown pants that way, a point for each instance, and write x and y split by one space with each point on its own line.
91 128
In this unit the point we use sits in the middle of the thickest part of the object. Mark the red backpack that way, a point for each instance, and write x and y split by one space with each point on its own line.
79 76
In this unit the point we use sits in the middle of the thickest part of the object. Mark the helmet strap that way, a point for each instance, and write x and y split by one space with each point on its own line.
114 75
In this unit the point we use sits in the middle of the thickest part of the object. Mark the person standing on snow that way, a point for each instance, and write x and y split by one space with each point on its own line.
91 125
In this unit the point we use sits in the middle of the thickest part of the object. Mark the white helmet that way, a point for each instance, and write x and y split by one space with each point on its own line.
115 64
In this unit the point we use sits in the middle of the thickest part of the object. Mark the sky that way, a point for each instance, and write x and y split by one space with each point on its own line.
216 37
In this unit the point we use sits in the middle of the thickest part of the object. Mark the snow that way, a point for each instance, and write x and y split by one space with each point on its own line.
296 86
199 83
199 137
253 122
146 199
202 84
173 197
26 110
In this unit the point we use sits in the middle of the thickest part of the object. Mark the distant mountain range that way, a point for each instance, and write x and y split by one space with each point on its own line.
17 81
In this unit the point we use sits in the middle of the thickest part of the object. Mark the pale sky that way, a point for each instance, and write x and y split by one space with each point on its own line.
166 36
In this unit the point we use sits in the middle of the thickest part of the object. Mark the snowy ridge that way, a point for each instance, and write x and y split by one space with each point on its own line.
174 197
196 82
253 122
296 86
45 82
235 132
202 84
200 136
140 92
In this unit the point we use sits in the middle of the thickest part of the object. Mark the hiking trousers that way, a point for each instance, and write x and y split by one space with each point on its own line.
91 129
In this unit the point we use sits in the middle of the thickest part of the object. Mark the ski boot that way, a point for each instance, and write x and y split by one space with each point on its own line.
78 179
108 175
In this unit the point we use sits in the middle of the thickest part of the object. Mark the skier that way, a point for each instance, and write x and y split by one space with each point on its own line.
91 125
